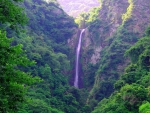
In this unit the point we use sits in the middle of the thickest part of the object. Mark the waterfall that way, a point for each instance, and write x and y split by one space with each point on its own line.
76 81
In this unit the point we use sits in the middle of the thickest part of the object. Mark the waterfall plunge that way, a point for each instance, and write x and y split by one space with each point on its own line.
76 81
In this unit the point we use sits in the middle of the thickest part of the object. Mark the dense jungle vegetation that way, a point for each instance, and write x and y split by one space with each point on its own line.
35 63
43 40
132 90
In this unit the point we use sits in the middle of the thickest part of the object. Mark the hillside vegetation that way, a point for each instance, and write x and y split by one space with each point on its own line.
132 90
37 54
111 29
44 41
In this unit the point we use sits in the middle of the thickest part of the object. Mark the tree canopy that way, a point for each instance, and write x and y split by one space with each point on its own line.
14 82
11 13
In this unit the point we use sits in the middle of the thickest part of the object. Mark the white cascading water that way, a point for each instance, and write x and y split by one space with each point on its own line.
76 81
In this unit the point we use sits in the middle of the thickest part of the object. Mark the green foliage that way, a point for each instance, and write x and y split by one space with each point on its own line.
93 14
50 20
80 20
133 95
131 77
145 80
38 106
44 42
119 84
90 18
128 14
90 73
108 68
94 25
133 86
145 108
111 105
14 82
11 13
139 53
148 31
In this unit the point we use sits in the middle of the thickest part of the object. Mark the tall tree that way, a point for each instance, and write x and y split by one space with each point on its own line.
11 13
14 83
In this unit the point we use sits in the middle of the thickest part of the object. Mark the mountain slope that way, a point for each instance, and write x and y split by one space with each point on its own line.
132 89
110 31
44 39
74 8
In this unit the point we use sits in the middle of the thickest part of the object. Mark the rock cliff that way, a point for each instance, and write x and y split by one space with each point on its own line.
117 25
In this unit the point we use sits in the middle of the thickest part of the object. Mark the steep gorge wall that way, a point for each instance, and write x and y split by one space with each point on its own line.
94 40
118 25
126 21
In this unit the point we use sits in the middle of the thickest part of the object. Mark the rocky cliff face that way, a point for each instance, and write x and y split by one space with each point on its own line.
140 18
118 25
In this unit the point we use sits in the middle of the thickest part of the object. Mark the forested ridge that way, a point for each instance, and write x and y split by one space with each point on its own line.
43 40
36 59
132 92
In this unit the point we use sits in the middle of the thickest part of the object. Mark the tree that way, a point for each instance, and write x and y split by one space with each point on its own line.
133 88
144 108
14 83
12 13
148 31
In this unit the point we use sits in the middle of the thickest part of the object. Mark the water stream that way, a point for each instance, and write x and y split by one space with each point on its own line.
76 81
